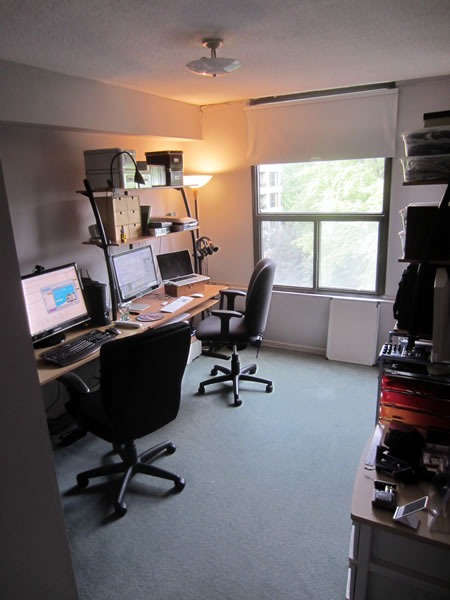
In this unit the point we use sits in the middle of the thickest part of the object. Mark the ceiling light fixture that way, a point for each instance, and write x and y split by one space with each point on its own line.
213 67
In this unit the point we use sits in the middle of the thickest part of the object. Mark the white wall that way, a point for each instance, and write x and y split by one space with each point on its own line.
34 551
42 157
297 320
39 97
44 166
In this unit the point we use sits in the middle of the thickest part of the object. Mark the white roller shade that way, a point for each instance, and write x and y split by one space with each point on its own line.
353 125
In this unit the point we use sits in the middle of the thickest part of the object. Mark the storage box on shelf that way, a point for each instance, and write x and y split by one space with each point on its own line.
121 216
418 220
427 154
413 392
172 161
105 163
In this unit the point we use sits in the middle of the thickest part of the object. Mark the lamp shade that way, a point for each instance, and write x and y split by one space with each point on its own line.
196 181
213 66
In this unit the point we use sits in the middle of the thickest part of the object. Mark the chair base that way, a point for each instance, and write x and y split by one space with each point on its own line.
235 374
131 464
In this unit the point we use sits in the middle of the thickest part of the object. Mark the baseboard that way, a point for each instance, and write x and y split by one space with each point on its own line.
295 347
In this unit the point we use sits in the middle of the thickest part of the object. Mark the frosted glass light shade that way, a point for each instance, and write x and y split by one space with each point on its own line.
213 67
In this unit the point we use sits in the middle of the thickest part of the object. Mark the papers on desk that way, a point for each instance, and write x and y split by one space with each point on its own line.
177 304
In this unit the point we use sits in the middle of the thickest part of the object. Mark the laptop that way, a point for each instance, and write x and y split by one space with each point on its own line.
176 268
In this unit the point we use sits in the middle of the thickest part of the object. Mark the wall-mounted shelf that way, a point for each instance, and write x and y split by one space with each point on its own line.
104 243
430 182
140 239
442 263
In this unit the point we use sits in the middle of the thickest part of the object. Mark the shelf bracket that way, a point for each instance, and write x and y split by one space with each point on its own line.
104 245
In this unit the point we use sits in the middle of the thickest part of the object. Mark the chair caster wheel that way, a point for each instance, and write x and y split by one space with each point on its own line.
179 484
237 402
120 509
171 449
213 372
269 388
252 371
201 389
82 481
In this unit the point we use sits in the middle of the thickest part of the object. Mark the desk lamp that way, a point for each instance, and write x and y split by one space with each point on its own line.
137 174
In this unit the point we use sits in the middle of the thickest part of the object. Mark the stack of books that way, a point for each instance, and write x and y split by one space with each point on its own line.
158 227
172 223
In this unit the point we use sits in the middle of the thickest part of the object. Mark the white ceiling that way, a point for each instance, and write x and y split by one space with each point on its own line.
285 46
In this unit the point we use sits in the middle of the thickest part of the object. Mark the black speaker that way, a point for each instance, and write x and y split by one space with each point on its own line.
95 296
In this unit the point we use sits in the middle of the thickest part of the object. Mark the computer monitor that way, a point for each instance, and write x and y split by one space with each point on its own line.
135 273
54 302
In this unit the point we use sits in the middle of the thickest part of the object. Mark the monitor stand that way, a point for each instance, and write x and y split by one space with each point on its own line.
52 340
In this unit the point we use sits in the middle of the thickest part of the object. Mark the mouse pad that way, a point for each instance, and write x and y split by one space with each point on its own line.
150 317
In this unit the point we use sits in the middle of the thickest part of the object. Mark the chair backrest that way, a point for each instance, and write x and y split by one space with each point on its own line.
141 376
259 295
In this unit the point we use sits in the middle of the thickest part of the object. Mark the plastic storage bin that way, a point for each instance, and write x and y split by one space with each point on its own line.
427 141
426 168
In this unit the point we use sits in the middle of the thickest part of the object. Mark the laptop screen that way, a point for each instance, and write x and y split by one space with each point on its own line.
174 264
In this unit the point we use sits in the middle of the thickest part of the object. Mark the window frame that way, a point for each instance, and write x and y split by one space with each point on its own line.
381 218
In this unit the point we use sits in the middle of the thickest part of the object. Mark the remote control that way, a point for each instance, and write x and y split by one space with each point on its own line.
127 324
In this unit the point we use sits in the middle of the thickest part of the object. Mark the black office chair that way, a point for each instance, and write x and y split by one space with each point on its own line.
229 326
139 392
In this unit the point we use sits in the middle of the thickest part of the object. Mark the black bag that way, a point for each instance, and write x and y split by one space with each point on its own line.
413 306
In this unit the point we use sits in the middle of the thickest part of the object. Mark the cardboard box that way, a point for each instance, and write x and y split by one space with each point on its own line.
184 290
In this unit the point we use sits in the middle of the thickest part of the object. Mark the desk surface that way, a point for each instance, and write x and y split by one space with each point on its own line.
363 511
48 372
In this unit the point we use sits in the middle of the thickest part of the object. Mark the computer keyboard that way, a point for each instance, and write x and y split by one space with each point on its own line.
77 348
180 302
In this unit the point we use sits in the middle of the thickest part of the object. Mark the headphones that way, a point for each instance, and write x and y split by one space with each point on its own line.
204 247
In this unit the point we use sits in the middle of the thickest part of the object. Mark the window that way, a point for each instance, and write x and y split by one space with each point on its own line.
324 223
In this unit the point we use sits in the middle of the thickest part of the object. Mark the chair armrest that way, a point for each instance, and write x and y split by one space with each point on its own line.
225 316
74 383
230 294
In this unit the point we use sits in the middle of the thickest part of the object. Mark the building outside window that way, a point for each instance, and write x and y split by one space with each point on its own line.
324 223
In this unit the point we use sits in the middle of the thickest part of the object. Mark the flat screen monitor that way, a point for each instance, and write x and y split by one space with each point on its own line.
134 273
54 302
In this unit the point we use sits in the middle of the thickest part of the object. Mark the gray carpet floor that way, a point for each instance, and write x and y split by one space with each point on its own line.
265 513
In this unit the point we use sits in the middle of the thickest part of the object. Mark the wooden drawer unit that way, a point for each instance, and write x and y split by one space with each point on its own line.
119 212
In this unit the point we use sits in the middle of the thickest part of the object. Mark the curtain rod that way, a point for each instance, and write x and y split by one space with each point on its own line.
320 93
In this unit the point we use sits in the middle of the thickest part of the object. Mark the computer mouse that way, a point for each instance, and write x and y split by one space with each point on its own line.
197 295
113 330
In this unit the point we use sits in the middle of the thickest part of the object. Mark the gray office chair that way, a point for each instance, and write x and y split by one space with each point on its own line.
228 326
139 392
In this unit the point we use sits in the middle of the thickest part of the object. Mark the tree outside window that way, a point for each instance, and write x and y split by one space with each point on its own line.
324 223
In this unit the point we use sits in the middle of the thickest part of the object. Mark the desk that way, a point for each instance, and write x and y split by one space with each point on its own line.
387 559
48 372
